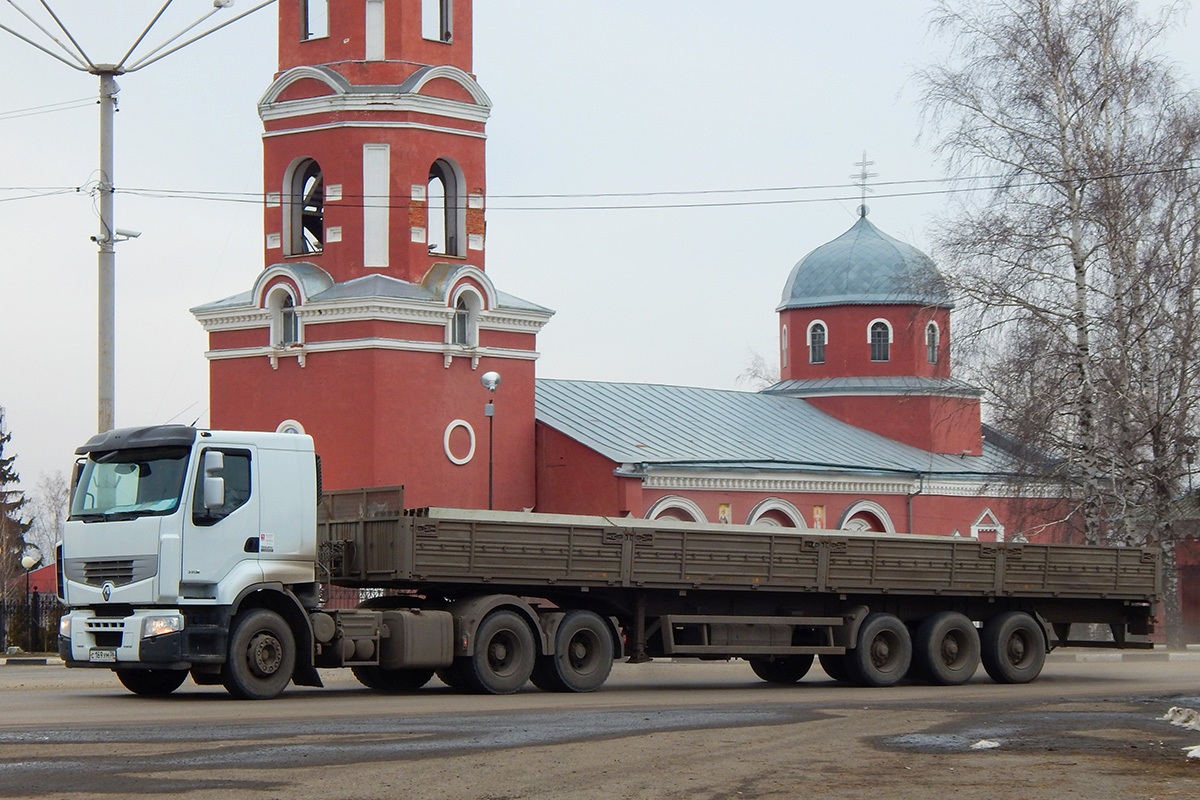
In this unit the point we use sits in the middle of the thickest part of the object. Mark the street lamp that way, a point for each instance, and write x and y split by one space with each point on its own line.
32 557
490 381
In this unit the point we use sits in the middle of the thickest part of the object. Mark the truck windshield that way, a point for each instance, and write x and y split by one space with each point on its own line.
122 484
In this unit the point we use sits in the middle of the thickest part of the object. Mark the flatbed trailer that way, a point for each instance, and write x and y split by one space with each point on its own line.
774 596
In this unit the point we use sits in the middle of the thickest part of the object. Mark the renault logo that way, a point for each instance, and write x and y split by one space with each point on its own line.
106 590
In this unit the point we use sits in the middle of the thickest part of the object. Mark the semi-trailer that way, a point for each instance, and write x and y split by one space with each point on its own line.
205 553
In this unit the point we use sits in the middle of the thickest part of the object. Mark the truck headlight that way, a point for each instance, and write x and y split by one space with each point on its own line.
64 626
157 626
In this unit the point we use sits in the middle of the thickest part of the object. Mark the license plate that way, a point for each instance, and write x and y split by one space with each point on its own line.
103 656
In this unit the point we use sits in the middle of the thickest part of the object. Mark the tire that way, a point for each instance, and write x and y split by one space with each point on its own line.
1013 648
152 682
835 667
583 655
782 669
392 681
946 649
262 656
883 654
504 655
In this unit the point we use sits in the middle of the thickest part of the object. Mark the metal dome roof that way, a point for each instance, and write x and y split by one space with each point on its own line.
865 266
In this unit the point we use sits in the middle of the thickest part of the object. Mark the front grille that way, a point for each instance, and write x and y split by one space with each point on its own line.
118 571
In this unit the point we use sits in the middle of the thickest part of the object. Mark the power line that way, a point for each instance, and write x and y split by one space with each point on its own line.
51 108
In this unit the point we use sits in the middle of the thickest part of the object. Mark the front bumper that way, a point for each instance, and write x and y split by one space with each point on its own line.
118 641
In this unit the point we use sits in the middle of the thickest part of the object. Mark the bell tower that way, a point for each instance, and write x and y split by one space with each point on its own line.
373 138
373 321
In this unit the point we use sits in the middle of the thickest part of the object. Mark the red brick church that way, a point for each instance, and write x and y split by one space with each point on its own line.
374 319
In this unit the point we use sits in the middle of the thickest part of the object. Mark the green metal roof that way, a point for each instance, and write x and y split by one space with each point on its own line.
865 266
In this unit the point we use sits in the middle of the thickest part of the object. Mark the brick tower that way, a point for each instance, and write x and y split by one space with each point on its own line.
373 320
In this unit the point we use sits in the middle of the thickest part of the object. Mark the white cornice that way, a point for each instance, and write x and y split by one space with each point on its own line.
377 124
308 348
374 103
376 309
800 483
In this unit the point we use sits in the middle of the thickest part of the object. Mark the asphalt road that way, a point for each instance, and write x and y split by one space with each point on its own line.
660 730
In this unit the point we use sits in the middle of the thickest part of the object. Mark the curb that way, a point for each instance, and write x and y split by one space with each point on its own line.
1086 655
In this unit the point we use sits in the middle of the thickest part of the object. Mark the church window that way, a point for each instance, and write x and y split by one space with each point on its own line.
817 337
931 342
435 20
446 209
306 209
376 38
465 331
880 337
316 19
285 326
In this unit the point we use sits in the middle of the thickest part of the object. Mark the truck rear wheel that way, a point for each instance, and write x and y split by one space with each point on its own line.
504 655
946 649
392 681
583 655
883 654
1013 648
782 669
262 655
152 682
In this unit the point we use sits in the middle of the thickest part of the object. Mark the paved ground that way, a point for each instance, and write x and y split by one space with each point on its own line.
1086 729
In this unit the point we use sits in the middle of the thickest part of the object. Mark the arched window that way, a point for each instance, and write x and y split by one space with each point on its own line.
285 326
306 209
931 342
817 337
880 337
675 507
465 331
866 515
783 347
446 208
776 512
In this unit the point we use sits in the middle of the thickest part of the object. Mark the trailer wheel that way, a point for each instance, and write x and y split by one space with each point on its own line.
1013 648
782 669
152 682
583 655
946 649
391 681
504 655
262 654
883 653
835 667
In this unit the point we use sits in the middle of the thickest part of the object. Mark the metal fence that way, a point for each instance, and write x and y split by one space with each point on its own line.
30 622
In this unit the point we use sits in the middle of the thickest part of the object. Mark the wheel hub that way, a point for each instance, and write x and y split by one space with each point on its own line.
266 654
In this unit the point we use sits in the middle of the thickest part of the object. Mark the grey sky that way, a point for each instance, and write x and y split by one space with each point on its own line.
590 97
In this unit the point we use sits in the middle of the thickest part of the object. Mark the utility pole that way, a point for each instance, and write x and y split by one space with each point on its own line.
75 57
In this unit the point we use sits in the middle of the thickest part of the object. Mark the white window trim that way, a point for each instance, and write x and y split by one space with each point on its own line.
872 323
870 507
475 306
289 426
988 521
675 502
813 324
782 506
937 340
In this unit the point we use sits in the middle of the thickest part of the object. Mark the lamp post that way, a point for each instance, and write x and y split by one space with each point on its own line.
32 557
490 381
71 53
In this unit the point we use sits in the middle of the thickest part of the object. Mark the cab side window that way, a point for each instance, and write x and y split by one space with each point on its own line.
236 473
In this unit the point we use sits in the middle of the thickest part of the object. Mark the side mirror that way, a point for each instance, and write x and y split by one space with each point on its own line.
214 485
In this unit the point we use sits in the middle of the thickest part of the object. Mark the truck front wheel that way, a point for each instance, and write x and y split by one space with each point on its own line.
152 682
504 655
262 655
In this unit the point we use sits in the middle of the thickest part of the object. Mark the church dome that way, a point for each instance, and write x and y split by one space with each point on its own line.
865 266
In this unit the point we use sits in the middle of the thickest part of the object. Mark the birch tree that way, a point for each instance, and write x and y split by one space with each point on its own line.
1080 263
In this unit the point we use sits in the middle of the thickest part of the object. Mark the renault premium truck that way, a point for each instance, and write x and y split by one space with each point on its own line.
204 553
